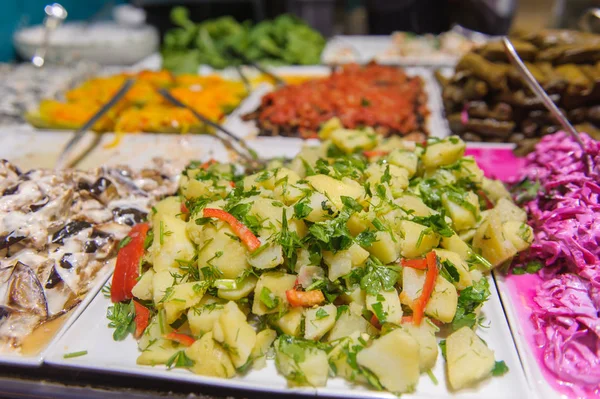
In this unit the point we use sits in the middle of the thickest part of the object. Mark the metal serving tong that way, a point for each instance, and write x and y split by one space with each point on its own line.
62 161
543 96
248 155
242 57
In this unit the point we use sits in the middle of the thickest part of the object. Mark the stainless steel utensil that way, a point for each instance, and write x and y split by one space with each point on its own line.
247 61
543 96
55 15
247 154
79 133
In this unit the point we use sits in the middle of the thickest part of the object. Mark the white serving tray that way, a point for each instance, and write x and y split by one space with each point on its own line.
90 333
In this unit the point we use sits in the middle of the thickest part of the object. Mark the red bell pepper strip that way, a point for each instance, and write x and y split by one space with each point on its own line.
305 299
375 153
406 319
488 204
420 264
142 318
244 233
183 339
207 164
184 208
128 263
421 302
375 322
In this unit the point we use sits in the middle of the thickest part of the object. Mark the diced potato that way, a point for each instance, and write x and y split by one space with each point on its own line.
348 322
455 244
277 284
404 159
342 262
143 288
518 233
495 189
508 211
181 297
170 206
359 222
465 215
329 127
386 247
468 359
418 240
192 188
307 275
243 289
335 189
221 251
201 319
159 352
413 203
160 282
210 358
235 334
351 141
308 155
357 296
153 333
388 304
264 340
424 334
461 267
268 258
291 322
301 364
443 300
321 208
338 357
444 152
490 242
398 177
319 320
394 359
287 190
171 242
469 170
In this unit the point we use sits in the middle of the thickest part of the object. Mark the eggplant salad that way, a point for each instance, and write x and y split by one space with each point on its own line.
61 229
363 258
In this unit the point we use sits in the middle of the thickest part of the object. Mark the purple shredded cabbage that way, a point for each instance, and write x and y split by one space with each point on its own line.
565 217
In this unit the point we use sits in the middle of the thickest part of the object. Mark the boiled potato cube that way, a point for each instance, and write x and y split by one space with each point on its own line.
469 170
508 211
396 177
143 288
424 334
308 156
276 284
321 208
159 352
202 318
495 189
264 340
359 222
444 152
464 215
319 320
491 243
387 246
404 159
443 300
267 258
455 244
153 333
349 321
243 289
161 281
235 334
461 267
329 127
418 239
170 206
357 295
468 359
342 262
351 141
386 303
300 363
210 358
291 322
335 189
415 204
171 242
394 359
338 357
182 297
222 251
518 233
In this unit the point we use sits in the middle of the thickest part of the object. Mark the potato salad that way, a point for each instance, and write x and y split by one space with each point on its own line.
361 258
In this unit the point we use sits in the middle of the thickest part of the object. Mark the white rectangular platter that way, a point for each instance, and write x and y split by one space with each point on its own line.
90 333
